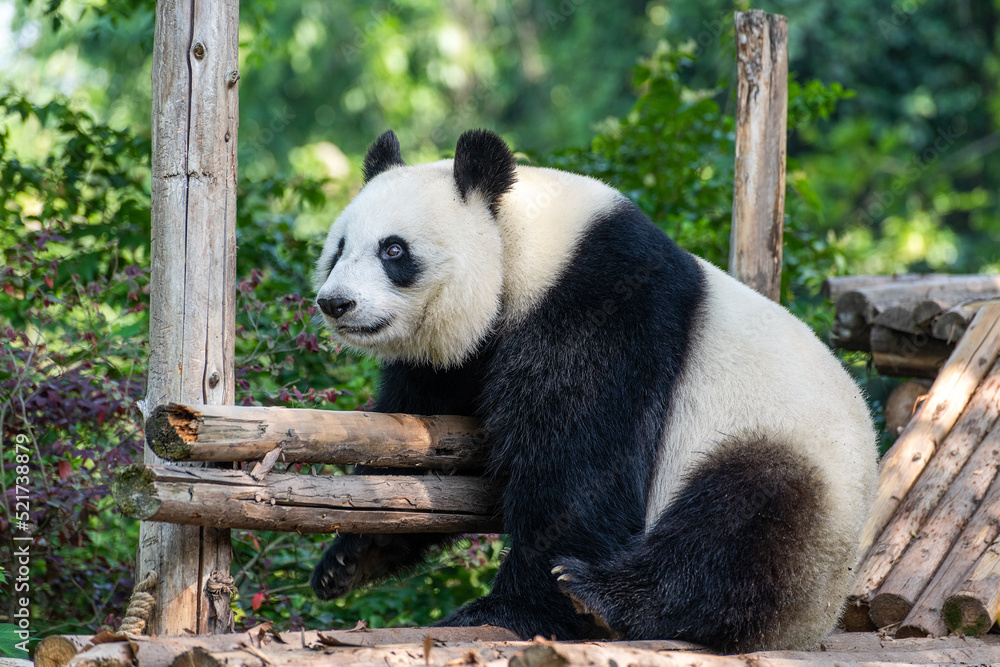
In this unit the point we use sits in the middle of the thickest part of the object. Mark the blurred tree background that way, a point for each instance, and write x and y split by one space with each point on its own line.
893 165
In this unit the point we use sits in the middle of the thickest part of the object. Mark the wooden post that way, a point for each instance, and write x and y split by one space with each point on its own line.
759 192
192 289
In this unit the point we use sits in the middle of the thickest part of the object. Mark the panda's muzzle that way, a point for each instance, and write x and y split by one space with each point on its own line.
370 330
336 307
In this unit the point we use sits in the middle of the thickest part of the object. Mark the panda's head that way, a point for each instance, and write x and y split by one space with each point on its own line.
412 268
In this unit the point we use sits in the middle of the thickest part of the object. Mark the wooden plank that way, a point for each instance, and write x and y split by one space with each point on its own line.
905 461
759 192
237 433
262 651
192 282
307 503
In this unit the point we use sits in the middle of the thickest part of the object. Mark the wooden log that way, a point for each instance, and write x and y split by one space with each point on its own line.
924 312
193 274
901 354
57 650
960 457
306 503
761 111
910 304
903 403
851 327
973 608
832 288
912 317
945 290
924 620
961 375
236 433
950 325
910 575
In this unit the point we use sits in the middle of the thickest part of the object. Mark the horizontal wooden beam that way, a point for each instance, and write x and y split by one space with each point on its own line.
307 503
237 433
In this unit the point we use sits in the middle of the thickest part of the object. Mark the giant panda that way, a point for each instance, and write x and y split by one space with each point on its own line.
679 456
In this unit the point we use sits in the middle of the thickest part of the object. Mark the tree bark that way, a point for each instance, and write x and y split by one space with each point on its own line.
235 433
759 194
192 283
307 503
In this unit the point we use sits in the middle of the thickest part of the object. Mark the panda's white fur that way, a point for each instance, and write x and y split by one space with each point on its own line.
492 260
784 372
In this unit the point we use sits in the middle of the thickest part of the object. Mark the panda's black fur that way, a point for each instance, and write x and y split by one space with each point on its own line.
575 392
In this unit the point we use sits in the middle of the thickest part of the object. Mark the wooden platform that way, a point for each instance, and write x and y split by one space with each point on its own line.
487 646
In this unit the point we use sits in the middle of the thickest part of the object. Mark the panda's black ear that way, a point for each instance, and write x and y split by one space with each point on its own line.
382 154
484 163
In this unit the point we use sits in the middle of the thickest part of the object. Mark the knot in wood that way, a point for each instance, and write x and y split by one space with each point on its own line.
213 379
199 51
232 78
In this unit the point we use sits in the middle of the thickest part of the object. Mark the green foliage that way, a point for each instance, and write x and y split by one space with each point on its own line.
673 156
893 168
73 235
9 640
274 571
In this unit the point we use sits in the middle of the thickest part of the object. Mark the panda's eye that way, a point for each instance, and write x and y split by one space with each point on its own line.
392 251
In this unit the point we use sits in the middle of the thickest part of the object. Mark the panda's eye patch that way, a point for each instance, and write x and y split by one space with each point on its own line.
399 264
336 256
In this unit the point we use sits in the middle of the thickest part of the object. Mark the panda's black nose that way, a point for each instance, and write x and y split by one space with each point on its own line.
336 306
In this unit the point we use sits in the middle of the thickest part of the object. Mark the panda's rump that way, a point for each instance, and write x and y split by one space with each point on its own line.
752 367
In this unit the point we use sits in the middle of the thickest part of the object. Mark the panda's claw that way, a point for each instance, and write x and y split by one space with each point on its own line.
565 577
340 558
558 569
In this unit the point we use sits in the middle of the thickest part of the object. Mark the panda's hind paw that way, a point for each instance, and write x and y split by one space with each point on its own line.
577 581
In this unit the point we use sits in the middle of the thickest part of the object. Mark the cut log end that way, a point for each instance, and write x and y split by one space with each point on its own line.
856 617
135 493
58 650
171 430
889 608
965 613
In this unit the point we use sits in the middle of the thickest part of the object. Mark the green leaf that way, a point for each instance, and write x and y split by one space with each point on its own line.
9 639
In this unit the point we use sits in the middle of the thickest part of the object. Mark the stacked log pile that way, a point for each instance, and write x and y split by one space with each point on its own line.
909 323
439 500
929 562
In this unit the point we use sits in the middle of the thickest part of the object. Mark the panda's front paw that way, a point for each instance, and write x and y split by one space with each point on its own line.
337 572
577 580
